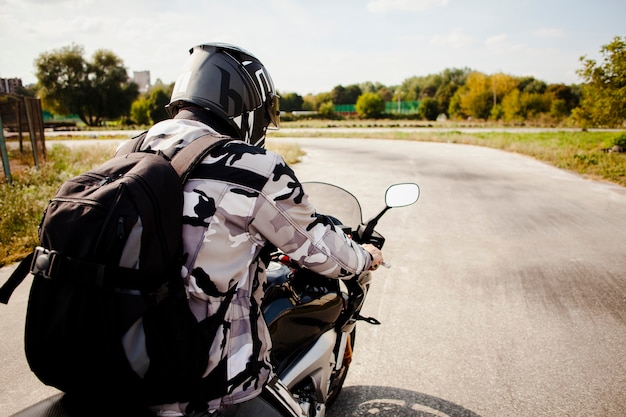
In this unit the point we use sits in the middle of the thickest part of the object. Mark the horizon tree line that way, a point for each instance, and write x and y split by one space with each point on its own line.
99 91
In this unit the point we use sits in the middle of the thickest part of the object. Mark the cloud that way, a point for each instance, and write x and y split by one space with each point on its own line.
412 39
383 6
497 40
454 39
25 4
500 44
548 33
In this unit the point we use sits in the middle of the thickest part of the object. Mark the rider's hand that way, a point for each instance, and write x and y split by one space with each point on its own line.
377 255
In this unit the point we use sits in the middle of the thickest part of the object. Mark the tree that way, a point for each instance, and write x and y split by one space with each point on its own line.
291 102
150 108
140 111
451 80
319 99
370 106
454 107
345 95
533 104
531 85
158 99
410 88
441 86
27 91
429 109
512 107
558 109
568 98
95 91
369 87
309 102
604 92
476 96
385 93
502 84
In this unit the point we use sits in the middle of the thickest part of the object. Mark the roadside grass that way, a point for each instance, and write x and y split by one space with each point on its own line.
22 203
583 152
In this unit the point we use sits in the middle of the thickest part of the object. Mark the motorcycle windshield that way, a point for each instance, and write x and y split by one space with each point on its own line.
334 201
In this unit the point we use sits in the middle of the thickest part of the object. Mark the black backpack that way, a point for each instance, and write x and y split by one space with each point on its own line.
110 254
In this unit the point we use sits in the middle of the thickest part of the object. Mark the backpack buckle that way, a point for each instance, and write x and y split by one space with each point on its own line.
44 262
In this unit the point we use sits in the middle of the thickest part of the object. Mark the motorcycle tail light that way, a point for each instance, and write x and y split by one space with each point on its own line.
347 354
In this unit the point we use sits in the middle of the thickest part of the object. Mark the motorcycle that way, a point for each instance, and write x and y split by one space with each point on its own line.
312 319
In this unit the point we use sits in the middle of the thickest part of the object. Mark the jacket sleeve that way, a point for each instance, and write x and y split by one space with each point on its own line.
284 217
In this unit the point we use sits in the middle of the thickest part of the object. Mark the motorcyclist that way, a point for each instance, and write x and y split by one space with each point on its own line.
242 199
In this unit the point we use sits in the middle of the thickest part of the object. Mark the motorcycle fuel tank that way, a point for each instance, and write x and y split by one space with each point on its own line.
298 310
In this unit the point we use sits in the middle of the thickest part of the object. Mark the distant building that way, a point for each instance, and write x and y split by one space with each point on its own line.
142 79
10 85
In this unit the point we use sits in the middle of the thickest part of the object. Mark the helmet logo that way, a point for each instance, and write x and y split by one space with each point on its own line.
262 80
227 93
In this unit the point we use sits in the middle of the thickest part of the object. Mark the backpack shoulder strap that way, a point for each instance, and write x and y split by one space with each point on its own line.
185 159
193 153
16 278
131 145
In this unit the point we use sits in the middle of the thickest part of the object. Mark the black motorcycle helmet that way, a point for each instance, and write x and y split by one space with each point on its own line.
233 85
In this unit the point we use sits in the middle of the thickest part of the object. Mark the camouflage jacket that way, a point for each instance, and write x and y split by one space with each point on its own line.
237 201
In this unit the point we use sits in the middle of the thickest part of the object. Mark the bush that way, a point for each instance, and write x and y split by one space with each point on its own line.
620 140
429 109
370 106
327 110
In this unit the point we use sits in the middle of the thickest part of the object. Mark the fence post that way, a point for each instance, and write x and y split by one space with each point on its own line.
18 115
40 129
5 156
31 128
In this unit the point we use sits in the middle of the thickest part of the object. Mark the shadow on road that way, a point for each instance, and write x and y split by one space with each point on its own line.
353 401
366 401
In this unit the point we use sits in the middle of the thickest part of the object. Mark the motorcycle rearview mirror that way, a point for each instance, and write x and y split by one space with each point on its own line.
397 195
400 195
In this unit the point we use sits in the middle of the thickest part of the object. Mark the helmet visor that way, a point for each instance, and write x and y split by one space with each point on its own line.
274 112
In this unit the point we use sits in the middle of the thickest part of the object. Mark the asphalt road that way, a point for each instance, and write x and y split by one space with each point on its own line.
506 295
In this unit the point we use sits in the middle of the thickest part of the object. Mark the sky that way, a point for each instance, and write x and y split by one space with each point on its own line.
311 46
